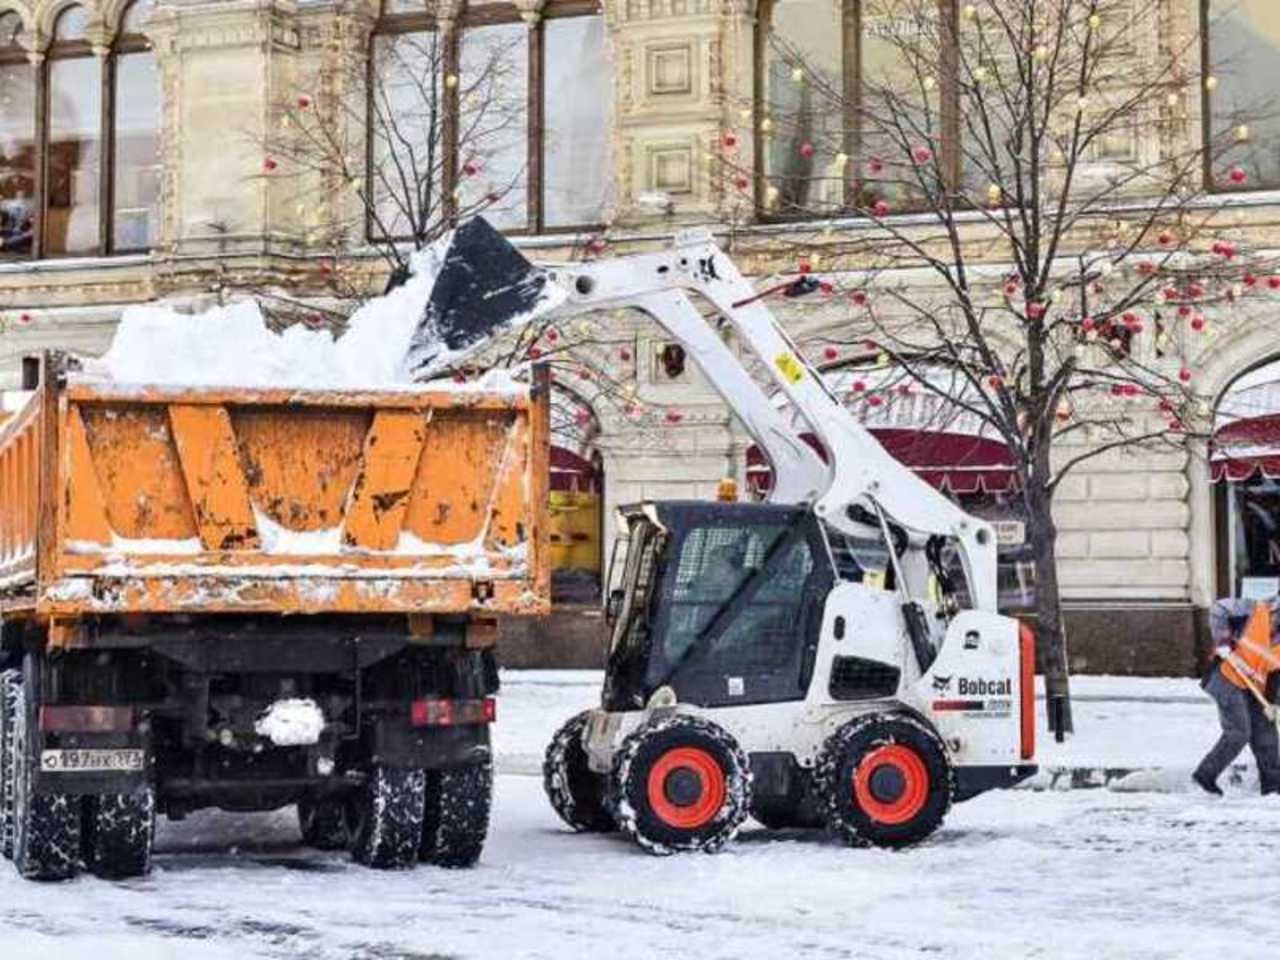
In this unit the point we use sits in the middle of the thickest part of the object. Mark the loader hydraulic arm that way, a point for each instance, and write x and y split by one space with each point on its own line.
859 470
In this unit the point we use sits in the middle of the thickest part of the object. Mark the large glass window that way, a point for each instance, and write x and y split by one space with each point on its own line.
494 116
1240 91
577 95
136 136
90 183
844 108
18 153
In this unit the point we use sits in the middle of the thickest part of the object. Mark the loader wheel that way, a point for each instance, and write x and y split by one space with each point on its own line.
323 823
46 826
384 818
680 783
9 680
117 832
576 792
456 814
886 781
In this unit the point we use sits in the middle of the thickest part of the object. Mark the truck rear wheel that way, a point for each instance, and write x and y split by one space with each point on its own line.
886 781
117 832
9 680
576 792
323 823
681 783
456 814
384 818
46 826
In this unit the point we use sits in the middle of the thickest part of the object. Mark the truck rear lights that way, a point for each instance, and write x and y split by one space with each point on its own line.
85 719
447 713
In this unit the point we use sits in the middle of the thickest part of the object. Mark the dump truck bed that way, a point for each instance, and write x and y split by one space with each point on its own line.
118 499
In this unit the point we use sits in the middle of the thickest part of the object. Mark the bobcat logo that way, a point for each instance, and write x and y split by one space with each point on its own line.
941 684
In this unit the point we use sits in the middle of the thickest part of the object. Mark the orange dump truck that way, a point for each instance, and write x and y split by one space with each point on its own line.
247 599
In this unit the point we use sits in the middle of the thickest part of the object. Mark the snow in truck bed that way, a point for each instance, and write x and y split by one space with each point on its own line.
232 346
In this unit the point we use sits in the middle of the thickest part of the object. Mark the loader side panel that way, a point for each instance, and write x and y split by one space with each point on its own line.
295 502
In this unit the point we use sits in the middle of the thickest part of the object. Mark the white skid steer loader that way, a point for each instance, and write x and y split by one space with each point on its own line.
832 657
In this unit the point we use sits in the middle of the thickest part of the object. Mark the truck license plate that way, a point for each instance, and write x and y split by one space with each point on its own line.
78 761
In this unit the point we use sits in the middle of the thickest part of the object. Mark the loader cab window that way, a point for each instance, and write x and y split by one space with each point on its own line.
862 560
741 606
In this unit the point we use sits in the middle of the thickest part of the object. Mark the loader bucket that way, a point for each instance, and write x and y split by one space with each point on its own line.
485 286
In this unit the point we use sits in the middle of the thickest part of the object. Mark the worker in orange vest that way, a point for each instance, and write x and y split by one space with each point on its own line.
1243 681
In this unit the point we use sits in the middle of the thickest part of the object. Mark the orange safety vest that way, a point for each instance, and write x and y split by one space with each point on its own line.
1254 651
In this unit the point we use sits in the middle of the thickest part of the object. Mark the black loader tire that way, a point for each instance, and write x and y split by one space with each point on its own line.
117 833
9 680
46 826
885 781
384 818
323 823
455 818
680 783
576 792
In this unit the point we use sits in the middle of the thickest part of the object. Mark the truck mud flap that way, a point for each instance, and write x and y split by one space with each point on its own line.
92 763
397 744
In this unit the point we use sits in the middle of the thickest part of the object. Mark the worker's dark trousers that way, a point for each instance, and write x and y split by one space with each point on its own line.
1243 722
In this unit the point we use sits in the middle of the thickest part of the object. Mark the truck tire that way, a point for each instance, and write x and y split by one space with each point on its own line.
576 792
9 681
117 832
323 823
455 819
885 781
680 783
46 826
384 818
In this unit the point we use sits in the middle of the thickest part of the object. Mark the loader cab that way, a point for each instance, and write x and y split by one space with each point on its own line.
721 602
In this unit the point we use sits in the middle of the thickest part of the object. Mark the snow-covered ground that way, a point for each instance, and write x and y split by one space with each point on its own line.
1084 873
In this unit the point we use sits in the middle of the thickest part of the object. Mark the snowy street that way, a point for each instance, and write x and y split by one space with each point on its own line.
1084 873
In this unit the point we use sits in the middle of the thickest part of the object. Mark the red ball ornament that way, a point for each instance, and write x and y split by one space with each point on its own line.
921 154
1197 323
1010 289
1195 291
904 389
1166 239
996 381
869 345
1184 311
1088 324
1146 268
674 416
552 335
830 353
1117 390
875 166
805 266
874 401
859 297
535 353
1130 389
582 418
1184 375
1035 310
806 149
859 386
304 102
25 319
584 374
730 140
826 287
470 169
268 164
742 183
624 355
1129 318
1250 280
1238 175
881 209
459 378
1273 283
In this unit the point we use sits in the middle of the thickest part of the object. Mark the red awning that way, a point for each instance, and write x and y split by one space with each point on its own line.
572 473
1246 447
957 462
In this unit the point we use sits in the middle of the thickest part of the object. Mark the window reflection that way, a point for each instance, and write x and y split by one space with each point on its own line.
493 128
75 152
576 101
17 158
136 173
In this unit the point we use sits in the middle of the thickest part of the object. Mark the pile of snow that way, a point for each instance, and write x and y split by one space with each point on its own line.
291 723
232 345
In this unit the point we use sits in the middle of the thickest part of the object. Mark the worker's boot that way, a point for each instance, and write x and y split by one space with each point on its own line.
1205 784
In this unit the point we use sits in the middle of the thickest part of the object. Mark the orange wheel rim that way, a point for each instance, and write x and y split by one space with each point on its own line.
702 788
891 784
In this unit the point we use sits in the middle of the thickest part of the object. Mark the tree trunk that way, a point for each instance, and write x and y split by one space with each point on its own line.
1051 637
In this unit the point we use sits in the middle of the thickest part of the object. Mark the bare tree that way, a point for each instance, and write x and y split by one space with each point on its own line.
1011 206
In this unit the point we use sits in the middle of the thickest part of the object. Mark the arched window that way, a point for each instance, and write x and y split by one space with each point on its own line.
497 116
18 154
79 172
135 135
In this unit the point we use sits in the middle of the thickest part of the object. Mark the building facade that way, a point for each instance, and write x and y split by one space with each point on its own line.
144 154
